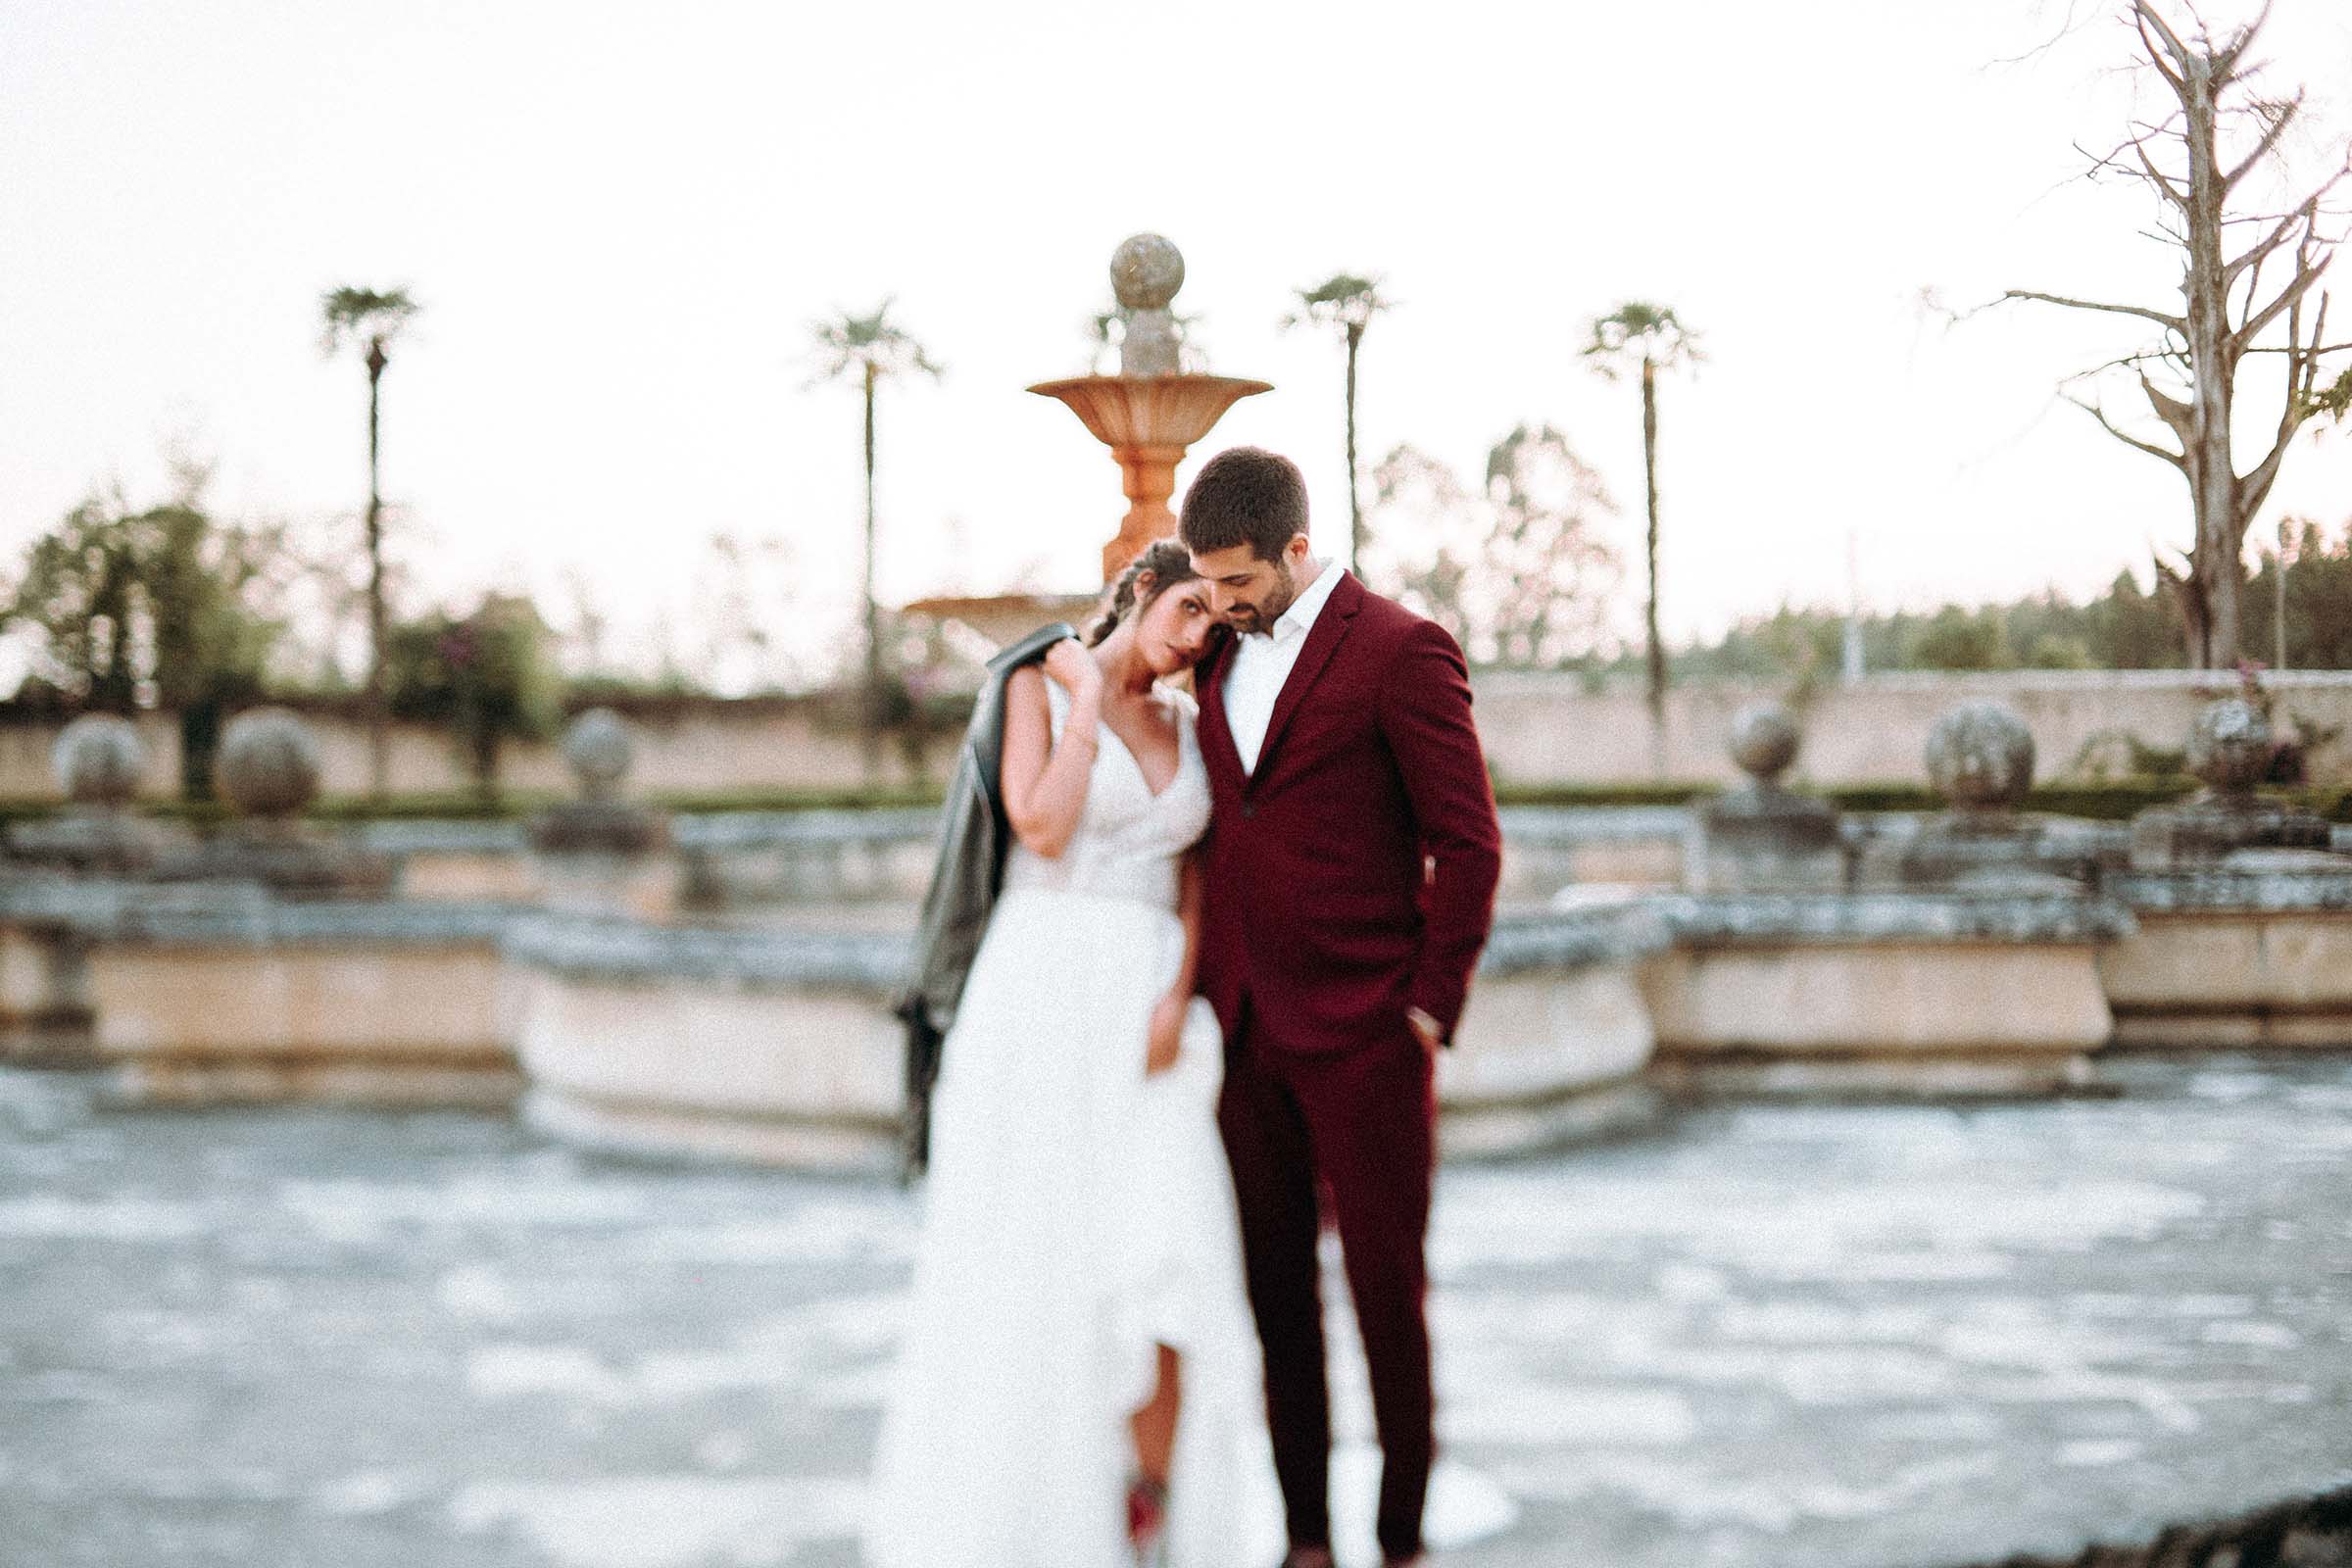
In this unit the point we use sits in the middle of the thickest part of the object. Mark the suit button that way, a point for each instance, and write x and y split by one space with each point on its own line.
1248 807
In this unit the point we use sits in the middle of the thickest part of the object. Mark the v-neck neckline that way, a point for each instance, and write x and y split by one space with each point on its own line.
1137 762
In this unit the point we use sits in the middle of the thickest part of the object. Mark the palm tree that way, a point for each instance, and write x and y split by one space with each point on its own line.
1348 303
357 316
1647 335
868 347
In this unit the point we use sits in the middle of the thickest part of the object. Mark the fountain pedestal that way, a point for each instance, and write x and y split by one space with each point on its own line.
1151 410
1147 422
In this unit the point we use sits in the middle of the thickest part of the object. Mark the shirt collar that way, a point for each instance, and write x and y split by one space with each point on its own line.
1299 618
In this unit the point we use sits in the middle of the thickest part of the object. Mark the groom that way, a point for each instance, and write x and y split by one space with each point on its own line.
1350 884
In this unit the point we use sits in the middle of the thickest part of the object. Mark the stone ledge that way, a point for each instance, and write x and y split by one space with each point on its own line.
722 830
1549 825
1703 921
439 835
238 914
1931 1076
589 948
142 917
1532 941
2219 890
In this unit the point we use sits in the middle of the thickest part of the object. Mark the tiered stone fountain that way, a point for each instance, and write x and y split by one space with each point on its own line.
1152 411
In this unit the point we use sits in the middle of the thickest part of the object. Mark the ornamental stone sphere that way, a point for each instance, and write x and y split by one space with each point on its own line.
99 760
598 747
1145 272
1764 740
2230 748
1981 757
267 764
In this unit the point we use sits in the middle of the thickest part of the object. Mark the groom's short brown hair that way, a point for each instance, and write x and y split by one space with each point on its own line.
1245 496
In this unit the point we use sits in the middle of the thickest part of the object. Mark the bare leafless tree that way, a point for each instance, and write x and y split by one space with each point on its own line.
2196 161
1516 570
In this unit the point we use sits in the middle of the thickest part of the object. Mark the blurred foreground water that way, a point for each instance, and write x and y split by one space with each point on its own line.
1834 1335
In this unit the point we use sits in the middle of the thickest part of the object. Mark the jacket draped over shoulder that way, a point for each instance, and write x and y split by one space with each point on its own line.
975 837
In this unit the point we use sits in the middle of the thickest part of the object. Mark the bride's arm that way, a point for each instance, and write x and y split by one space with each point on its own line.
1166 1040
1187 908
1044 780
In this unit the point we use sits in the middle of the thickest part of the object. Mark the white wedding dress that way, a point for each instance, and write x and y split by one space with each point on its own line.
1077 1215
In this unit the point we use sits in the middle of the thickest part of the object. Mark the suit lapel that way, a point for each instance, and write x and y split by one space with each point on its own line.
1216 731
1347 597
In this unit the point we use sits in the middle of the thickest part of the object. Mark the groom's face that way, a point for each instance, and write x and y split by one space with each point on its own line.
1251 593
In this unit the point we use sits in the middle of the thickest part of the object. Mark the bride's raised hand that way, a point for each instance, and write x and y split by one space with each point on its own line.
1073 668
1165 1039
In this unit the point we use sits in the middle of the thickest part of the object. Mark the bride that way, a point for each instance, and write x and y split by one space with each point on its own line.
1077 1384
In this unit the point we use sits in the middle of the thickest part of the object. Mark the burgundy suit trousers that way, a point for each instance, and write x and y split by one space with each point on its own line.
1360 1124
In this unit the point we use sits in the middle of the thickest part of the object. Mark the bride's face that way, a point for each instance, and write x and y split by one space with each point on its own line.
1175 628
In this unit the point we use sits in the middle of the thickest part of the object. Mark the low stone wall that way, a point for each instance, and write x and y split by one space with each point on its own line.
1543 728
1556 1040
776 1044
1916 994
219 993
779 1047
2233 958
775 1048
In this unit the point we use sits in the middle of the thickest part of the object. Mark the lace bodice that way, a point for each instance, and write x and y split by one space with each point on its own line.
1128 841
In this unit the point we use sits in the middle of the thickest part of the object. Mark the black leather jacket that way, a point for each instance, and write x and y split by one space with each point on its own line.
973 837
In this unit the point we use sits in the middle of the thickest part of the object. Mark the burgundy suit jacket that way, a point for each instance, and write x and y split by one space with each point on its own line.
1352 877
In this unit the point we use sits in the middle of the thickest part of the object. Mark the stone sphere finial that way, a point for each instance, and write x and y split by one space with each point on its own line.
2230 745
267 764
1764 741
99 760
1145 272
1980 757
600 751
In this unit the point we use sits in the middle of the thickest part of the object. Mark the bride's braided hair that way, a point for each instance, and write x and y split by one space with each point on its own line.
1168 563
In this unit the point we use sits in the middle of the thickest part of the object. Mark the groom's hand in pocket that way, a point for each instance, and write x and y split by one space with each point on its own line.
1425 1029
1165 1041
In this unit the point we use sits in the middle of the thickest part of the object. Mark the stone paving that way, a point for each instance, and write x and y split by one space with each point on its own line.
1829 1335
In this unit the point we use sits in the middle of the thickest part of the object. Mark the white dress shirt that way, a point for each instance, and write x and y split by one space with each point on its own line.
1263 663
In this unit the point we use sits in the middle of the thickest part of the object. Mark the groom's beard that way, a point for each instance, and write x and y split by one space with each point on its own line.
1259 620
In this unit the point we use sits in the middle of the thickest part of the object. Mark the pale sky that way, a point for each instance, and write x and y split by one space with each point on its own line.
620 219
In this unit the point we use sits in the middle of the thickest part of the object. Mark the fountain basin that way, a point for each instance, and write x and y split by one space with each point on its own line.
775 1047
1901 993
1557 1041
1148 421
2223 957
229 997
778 1048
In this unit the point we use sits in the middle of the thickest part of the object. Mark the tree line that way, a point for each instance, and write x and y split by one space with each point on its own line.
2131 626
